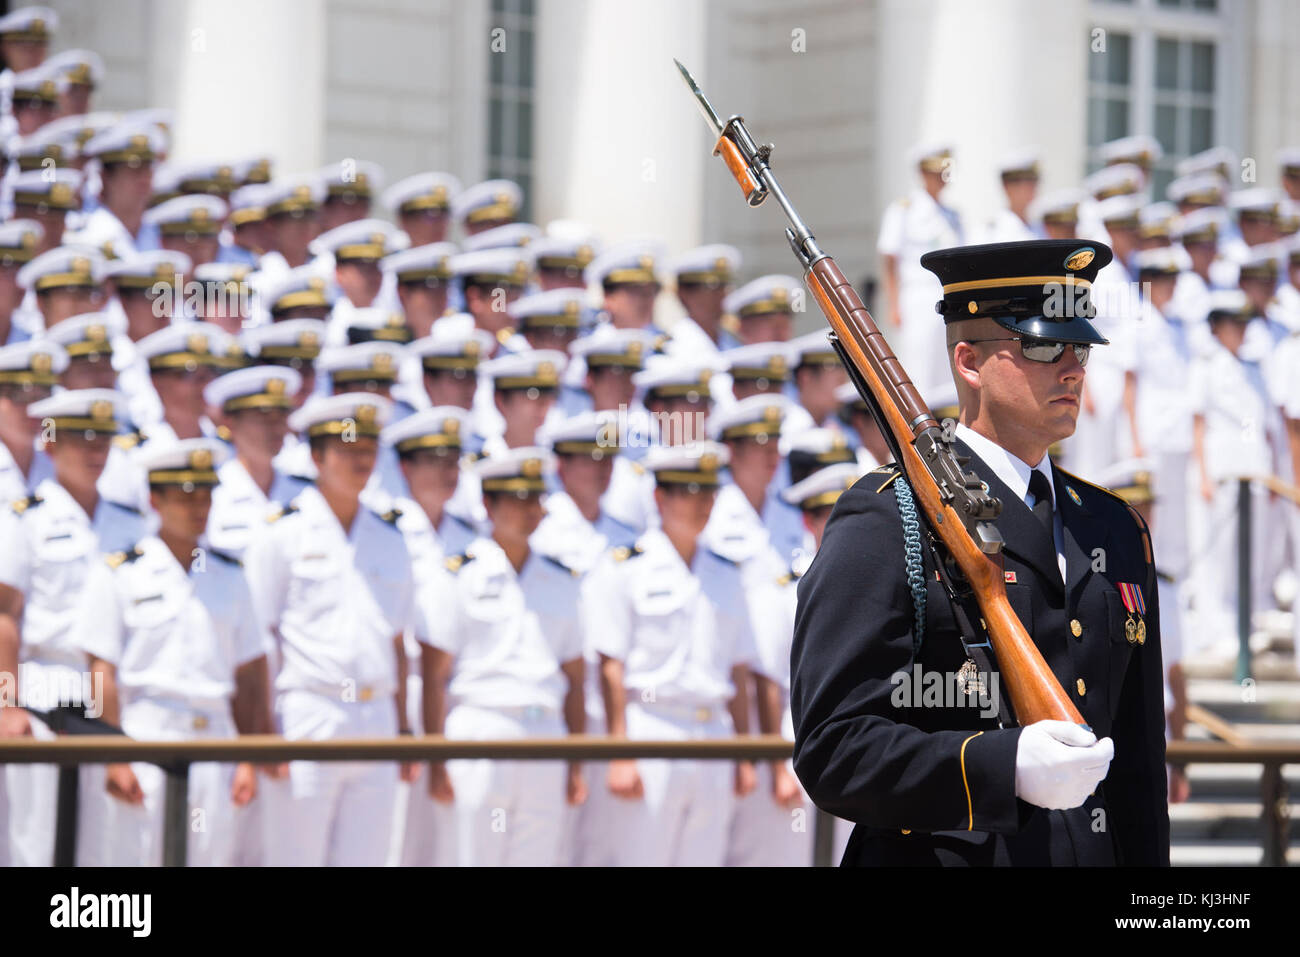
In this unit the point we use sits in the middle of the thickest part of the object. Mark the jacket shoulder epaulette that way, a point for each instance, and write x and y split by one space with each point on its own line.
624 552
20 505
116 559
887 474
128 440
455 563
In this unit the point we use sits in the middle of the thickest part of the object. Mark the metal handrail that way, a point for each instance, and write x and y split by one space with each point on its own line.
175 757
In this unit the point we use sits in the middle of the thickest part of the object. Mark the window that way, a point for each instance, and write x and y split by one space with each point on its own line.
510 97
1164 72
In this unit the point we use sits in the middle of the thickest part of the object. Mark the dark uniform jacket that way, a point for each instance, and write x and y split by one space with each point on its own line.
935 785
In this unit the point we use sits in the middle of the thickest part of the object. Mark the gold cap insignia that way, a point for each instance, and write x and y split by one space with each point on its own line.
101 410
80 264
1079 258
28 240
316 284
772 413
308 339
545 370
585 254
41 362
60 193
571 307
646 262
471 349
201 459
451 426
779 294
275 386
530 468
382 362
366 414
634 349
96 333
708 462
776 365
197 342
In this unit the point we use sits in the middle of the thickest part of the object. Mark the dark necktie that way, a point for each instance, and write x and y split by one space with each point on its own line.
1042 493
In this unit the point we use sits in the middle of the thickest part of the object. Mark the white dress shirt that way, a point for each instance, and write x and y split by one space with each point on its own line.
1015 474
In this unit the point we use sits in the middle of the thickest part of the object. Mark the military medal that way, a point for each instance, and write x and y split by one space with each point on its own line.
969 680
1134 631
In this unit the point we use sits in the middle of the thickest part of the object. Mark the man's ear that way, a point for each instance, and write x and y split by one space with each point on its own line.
498 399
966 362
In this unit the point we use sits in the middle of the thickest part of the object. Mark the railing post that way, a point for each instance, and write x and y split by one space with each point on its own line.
65 821
1273 797
1243 578
176 807
823 838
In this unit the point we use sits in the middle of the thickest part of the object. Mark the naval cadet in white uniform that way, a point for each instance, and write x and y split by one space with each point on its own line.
504 659
332 579
53 538
169 626
670 623
428 446
28 373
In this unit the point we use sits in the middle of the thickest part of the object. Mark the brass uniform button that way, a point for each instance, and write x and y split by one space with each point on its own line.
1076 628
907 831
1083 688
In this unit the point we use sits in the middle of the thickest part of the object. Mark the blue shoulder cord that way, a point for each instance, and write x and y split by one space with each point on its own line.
912 558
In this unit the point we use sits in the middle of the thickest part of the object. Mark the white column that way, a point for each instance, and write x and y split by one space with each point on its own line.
244 76
618 142
990 77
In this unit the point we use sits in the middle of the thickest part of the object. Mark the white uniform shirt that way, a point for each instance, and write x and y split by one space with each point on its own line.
510 634
103 230
774 634
15 485
1164 348
678 631
240 508
48 551
173 633
428 547
1007 227
337 597
1232 395
578 543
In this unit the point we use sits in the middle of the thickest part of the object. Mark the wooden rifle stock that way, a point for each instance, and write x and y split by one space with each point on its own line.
925 455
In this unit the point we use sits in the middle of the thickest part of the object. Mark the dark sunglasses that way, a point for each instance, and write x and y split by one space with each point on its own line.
1043 350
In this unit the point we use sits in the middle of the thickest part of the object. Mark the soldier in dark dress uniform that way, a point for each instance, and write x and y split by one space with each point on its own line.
931 777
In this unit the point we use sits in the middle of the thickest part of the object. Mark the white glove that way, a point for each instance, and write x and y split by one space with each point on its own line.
1058 764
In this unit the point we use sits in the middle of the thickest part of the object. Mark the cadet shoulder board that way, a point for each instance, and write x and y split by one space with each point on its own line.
888 473
281 510
391 516
559 564
128 440
623 552
116 559
226 557
20 505
454 563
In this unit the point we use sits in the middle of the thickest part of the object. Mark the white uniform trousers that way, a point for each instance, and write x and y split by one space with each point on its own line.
420 824
331 813
507 813
682 820
133 833
764 834
33 789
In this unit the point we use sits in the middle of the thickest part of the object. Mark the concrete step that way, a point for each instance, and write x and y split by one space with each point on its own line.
1236 782
1261 702
1204 822
1224 854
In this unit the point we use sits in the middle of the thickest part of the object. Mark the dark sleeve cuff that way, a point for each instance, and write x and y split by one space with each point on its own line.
988 765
